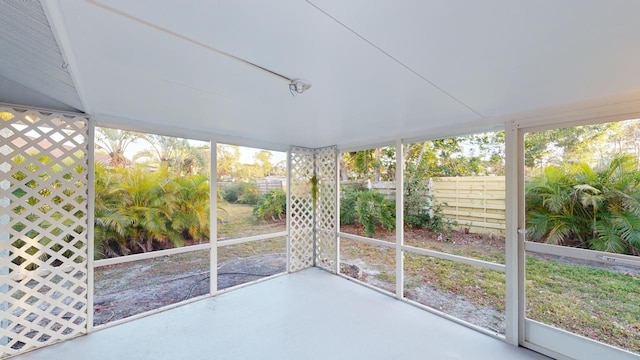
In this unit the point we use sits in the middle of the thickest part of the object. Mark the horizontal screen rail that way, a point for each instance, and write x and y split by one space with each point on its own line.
456 258
583 254
242 240
366 239
185 249
437 254
150 255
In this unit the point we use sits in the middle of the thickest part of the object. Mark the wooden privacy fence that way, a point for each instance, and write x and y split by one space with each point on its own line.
386 188
475 202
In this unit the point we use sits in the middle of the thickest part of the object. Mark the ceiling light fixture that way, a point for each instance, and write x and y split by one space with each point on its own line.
298 86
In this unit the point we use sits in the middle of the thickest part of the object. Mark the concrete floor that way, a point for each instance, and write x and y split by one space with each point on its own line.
307 315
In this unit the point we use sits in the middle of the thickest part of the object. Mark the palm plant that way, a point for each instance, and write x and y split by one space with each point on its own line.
578 206
111 223
153 201
172 153
191 217
137 210
115 142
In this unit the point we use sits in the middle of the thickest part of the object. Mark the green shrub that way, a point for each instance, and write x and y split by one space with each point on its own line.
421 210
417 221
271 206
582 207
374 209
348 214
361 206
241 193
439 223
231 192
436 222
248 193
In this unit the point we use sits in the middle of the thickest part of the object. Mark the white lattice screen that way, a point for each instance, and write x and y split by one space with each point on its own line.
43 229
300 205
312 234
326 231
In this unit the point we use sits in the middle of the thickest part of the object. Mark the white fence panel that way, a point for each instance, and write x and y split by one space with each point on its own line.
300 209
43 229
326 229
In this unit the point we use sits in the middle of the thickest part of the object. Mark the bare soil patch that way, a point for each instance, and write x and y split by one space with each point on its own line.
439 284
132 288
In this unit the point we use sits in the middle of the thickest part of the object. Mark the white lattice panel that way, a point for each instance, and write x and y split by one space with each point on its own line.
300 209
326 231
43 229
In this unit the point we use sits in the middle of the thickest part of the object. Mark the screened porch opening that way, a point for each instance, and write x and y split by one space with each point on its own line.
319 178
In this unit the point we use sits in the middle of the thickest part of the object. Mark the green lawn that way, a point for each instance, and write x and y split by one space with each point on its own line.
596 303
237 221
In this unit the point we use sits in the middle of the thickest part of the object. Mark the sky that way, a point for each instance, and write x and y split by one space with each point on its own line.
247 154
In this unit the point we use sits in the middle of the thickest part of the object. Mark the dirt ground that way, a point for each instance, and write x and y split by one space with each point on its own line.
379 271
132 288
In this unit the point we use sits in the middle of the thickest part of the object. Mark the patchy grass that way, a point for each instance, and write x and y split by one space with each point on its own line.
481 287
270 246
477 246
600 304
377 263
238 221
597 303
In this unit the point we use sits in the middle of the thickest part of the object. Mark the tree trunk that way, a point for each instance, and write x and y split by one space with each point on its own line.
343 171
376 175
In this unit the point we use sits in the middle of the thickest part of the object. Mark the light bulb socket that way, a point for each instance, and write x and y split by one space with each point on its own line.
298 86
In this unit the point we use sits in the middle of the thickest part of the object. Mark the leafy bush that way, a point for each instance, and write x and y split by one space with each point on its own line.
231 192
439 223
436 221
271 206
420 209
348 214
241 193
248 193
582 207
367 208
417 221
374 209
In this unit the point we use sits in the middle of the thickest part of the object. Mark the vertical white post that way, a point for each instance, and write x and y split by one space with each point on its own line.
91 195
289 207
399 220
5 204
213 217
514 266
337 210
314 211
4 259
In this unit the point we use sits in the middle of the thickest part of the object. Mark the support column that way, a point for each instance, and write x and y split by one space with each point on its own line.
399 220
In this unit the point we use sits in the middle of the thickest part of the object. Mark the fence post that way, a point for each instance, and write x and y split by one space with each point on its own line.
430 198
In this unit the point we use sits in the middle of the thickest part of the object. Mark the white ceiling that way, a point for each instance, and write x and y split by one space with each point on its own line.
380 70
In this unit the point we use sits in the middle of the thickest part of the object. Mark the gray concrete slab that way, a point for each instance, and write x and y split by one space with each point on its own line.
307 315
